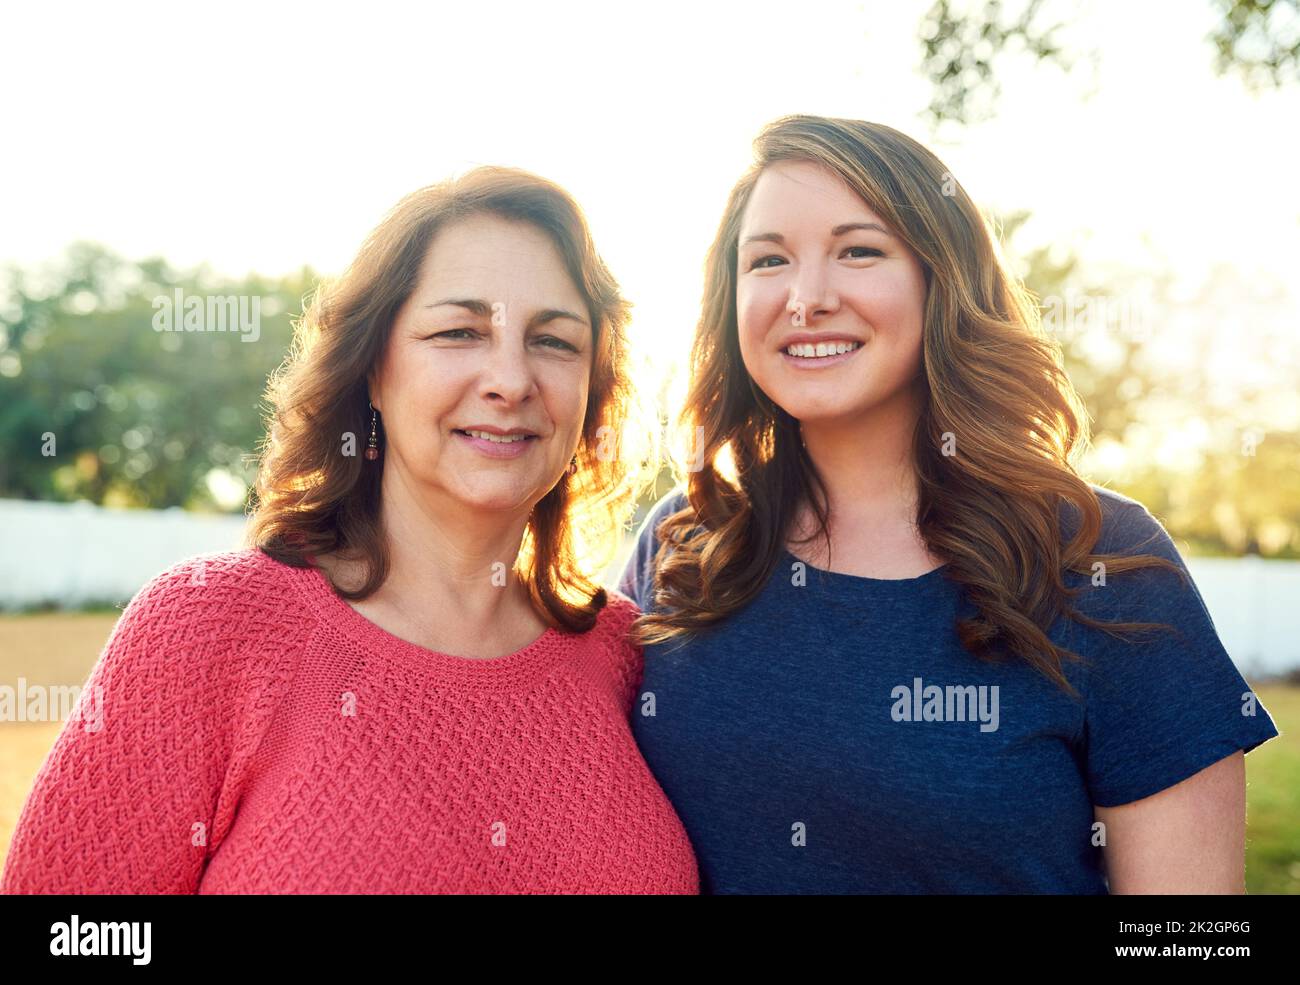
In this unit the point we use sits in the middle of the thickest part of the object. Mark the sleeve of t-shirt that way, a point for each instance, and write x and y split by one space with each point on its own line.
1163 707
637 581
124 801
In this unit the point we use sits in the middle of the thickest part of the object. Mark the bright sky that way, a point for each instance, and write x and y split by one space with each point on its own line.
259 136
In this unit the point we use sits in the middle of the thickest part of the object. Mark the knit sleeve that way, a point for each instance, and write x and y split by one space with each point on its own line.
142 779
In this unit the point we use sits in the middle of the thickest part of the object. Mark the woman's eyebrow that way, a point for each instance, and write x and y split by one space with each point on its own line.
483 309
839 230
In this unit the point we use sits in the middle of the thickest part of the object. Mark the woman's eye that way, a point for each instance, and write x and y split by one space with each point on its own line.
559 343
459 334
863 253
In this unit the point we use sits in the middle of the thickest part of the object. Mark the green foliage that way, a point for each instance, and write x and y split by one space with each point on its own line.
1258 40
138 417
961 47
1242 493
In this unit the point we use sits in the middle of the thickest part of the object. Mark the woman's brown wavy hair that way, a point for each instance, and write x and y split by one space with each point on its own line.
992 378
312 498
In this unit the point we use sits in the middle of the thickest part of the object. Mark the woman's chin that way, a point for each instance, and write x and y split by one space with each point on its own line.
821 411
827 407
503 499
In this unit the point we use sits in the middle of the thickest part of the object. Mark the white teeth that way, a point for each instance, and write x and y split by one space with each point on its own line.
504 439
807 350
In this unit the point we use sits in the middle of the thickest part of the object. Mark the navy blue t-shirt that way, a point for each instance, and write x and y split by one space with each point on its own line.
834 737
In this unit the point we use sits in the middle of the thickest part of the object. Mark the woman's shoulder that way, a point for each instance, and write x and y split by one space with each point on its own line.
610 635
638 573
1161 590
1127 526
223 576
616 618
217 597
200 636
671 502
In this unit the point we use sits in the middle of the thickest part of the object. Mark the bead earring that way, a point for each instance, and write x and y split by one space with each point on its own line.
573 465
372 449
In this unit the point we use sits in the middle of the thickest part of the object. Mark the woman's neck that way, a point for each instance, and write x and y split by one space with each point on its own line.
451 584
867 467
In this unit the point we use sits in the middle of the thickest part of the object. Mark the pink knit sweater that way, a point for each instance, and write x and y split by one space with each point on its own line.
259 735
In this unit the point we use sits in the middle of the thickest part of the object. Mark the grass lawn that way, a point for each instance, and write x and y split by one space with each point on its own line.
1273 799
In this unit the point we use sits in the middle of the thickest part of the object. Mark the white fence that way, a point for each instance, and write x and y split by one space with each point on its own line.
1255 605
71 554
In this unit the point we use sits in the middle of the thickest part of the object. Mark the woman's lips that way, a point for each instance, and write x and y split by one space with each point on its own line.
819 362
496 449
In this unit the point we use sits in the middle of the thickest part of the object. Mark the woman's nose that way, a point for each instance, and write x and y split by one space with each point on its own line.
810 295
506 372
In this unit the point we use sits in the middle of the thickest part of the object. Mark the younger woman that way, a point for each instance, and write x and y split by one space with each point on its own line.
895 644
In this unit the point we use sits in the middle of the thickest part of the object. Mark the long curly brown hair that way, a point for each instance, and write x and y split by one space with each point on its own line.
313 498
993 380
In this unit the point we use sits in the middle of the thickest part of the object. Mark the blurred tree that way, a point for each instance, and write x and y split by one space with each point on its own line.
1240 493
1259 40
1117 382
961 46
138 417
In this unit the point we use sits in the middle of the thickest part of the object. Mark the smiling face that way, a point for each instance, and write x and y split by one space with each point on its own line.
495 336
817 268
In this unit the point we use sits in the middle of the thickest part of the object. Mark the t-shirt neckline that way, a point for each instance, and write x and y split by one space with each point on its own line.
841 579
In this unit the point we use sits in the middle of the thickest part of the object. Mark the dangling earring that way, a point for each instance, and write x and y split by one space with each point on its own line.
372 449
573 465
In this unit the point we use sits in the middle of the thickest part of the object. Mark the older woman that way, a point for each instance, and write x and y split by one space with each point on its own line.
410 683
